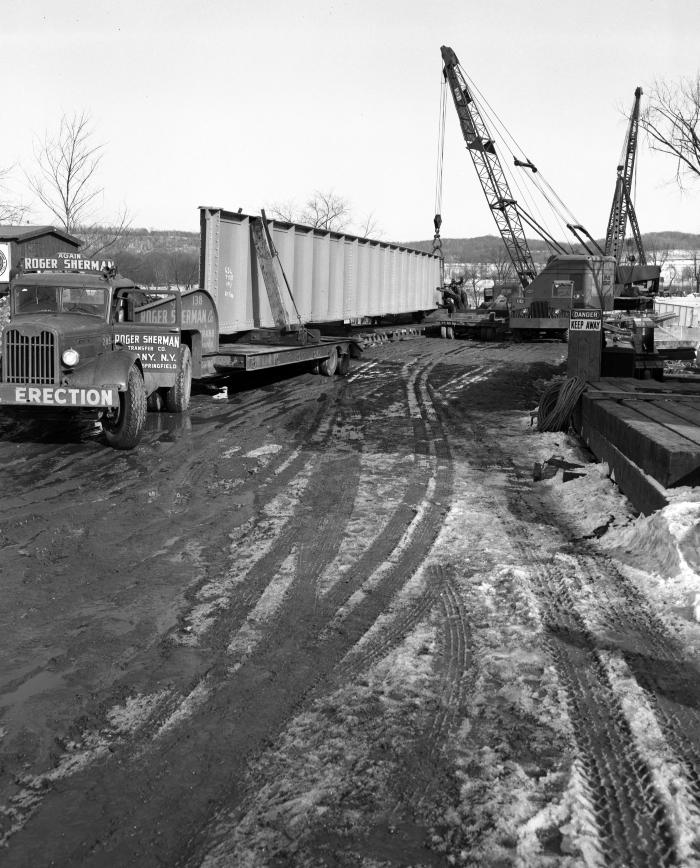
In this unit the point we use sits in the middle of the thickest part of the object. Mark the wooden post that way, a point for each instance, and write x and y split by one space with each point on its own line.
267 267
585 344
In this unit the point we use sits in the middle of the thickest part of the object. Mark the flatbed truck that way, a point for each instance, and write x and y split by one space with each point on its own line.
94 342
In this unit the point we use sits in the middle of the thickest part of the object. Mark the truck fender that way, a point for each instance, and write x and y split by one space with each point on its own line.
193 340
108 369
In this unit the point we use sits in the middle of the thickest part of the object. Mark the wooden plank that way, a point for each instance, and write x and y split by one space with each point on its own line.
685 409
660 452
267 267
680 403
666 419
663 386
645 494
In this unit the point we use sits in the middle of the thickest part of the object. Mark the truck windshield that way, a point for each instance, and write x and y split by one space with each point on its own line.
59 299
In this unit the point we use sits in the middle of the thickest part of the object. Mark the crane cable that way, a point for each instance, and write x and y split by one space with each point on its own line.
437 219
538 182
440 146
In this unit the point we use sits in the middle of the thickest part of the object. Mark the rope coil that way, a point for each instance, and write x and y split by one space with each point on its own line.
557 404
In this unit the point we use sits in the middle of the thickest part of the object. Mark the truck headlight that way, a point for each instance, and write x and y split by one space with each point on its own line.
70 358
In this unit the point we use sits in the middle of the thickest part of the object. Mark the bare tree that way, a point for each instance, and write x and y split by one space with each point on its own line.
11 210
369 228
500 265
687 276
695 271
670 120
326 210
184 269
473 277
656 254
287 212
672 273
99 239
66 182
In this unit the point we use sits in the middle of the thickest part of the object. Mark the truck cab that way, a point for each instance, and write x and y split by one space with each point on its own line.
94 342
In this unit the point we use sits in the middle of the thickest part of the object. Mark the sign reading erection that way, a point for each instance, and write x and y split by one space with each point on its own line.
586 320
58 396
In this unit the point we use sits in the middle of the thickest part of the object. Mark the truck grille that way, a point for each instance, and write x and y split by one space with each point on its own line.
29 358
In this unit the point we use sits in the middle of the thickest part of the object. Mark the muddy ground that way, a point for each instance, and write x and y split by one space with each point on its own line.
334 622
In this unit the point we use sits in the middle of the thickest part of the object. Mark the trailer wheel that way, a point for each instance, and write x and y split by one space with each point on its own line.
177 397
343 365
123 425
327 366
155 402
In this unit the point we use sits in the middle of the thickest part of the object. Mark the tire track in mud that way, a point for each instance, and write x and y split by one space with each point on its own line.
314 559
671 683
456 665
338 646
186 481
275 706
283 467
633 823
455 685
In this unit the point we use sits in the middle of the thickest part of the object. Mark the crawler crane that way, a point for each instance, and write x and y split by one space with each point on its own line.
636 282
568 280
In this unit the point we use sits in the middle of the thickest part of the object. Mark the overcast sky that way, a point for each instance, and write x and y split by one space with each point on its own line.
242 104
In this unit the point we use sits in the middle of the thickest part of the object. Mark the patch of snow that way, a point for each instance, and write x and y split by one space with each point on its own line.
247 637
194 699
263 451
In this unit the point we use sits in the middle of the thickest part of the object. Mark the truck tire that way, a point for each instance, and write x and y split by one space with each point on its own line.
155 402
177 397
123 426
327 366
343 365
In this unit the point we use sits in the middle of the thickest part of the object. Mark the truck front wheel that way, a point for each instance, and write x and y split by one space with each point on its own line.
327 366
123 425
177 397
343 365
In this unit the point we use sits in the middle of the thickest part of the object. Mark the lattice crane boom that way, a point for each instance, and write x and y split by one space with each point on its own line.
489 170
622 208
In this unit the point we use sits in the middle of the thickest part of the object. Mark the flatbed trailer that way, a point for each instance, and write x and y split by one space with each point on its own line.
532 328
243 357
482 325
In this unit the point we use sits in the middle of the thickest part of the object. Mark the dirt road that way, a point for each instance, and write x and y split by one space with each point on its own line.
332 622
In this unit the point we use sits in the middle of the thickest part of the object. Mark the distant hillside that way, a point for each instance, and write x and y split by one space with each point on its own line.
483 248
158 240
489 248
